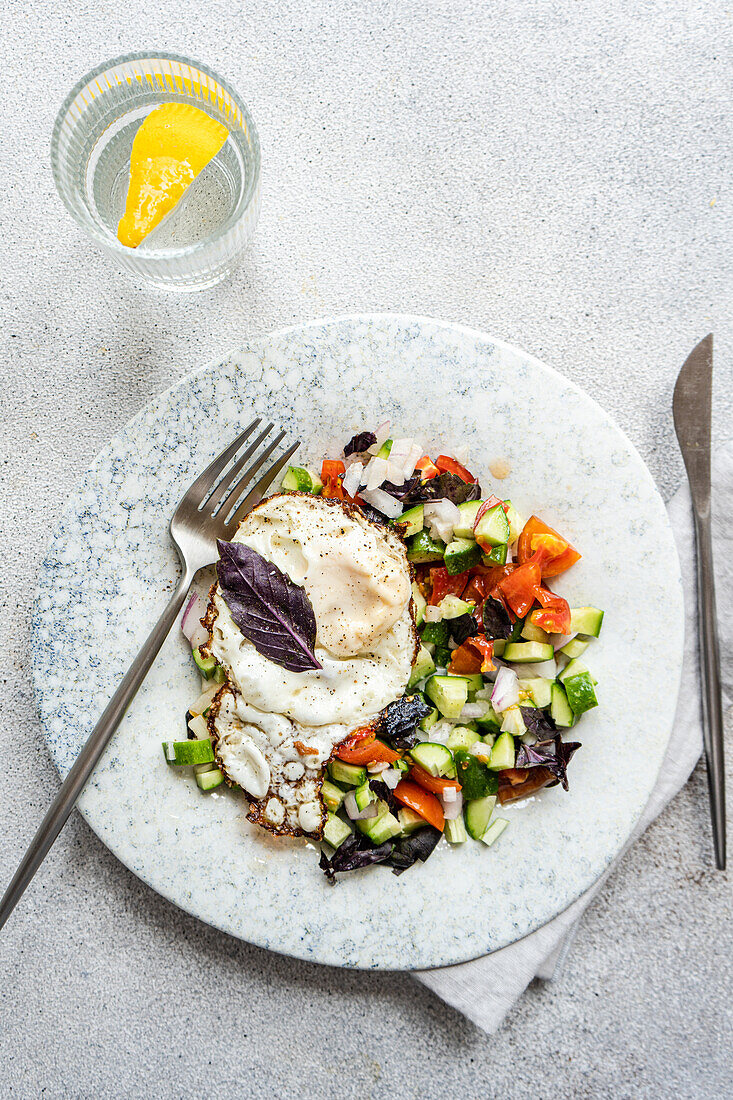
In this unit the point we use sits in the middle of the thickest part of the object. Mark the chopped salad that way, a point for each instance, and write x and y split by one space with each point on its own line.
500 674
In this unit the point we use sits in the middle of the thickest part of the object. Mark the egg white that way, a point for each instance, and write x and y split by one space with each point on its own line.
274 729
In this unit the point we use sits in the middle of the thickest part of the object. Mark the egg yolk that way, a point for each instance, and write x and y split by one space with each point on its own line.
174 143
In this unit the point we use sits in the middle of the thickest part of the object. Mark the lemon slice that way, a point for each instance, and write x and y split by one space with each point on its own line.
175 142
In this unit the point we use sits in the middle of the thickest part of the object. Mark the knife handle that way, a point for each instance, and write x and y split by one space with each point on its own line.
712 707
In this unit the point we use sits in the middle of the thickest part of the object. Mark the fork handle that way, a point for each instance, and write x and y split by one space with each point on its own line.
712 709
85 762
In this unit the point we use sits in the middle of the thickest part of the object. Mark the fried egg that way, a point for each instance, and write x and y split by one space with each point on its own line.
274 730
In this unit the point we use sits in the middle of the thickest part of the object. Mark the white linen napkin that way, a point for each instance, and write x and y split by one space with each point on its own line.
485 990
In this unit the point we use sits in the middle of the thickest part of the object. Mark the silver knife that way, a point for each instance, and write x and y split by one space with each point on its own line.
691 405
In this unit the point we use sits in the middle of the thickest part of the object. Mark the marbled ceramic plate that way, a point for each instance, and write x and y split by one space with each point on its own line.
111 566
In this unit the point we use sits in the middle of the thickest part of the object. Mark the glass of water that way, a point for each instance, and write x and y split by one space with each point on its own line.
202 239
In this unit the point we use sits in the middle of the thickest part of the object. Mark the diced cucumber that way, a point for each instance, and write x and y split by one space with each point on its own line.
580 692
332 796
413 519
199 769
478 814
385 449
528 652
467 512
586 620
434 758
532 633
503 753
198 726
188 753
575 648
351 775
572 668
442 658
299 480
435 634
455 831
401 765
499 646
420 604
461 737
210 780
474 680
422 548
496 556
364 795
475 779
335 831
494 831
460 555
219 675
410 821
380 828
540 691
490 722
429 720
560 710
514 520
451 607
424 666
206 665
449 693
492 529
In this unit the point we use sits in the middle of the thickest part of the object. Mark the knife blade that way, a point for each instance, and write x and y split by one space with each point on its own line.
692 408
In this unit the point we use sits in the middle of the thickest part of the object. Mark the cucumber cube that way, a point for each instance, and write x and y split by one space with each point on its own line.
424 666
413 520
351 775
493 528
335 831
503 753
420 604
188 753
560 710
422 548
455 831
496 556
586 620
528 652
580 693
460 555
209 781
494 831
478 814
449 693
467 512
299 480
332 796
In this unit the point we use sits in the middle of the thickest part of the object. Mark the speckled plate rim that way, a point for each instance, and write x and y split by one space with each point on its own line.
673 660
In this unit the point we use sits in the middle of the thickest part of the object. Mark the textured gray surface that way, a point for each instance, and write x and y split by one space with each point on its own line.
555 173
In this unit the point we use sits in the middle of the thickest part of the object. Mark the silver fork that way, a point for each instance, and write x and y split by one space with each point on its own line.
210 509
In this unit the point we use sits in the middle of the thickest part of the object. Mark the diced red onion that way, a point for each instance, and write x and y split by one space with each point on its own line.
451 800
545 670
191 621
391 776
559 640
382 434
375 473
383 502
395 472
377 767
506 690
481 750
353 810
441 516
352 479
204 700
400 456
472 711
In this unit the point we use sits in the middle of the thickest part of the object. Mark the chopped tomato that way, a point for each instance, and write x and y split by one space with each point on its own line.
436 784
554 617
332 474
558 554
367 752
421 801
475 655
448 465
443 584
519 587
426 468
359 737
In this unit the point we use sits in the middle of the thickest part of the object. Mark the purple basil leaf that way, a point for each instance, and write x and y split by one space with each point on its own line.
497 623
462 628
554 755
400 492
539 723
355 852
360 443
272 611
382 791
420 846
444 487
397 721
